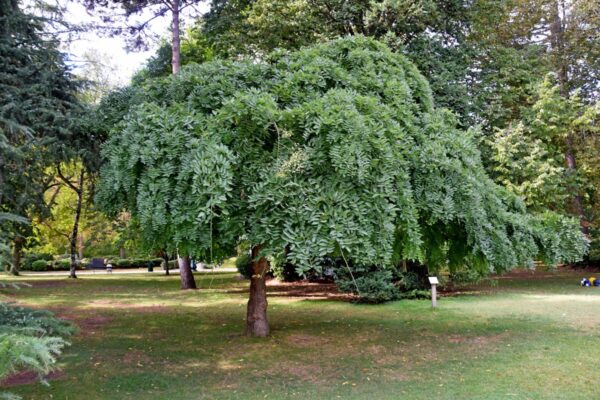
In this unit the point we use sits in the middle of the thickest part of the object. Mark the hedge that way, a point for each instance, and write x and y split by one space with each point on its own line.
39 265
135 262
30 258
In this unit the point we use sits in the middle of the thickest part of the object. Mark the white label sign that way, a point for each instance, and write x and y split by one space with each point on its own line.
433 280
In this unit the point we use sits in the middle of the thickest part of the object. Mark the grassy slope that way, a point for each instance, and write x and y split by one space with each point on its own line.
142 338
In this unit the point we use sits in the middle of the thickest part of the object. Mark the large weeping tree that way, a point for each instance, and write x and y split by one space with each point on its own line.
335 149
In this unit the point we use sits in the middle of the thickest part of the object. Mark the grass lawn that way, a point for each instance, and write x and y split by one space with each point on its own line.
142 338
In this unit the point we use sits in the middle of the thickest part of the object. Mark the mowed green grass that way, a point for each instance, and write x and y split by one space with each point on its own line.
141 337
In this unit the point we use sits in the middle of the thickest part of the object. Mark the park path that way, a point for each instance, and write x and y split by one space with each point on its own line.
125 271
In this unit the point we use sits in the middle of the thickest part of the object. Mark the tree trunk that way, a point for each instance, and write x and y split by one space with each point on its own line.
165 257
17 248
176 55
73 238
80 246
257 324
122 252
185 272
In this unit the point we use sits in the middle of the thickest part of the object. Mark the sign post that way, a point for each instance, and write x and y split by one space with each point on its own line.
433 280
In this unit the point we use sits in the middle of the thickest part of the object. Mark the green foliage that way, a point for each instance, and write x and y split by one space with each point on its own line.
38 265
243 263
30 340
33 322
528 157
374 287
61 265
29 258
283 270
335 149
461 277
373 284
431 33
194 48
38 110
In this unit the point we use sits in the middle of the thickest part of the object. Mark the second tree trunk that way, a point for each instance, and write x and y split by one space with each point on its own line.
185 271
256 318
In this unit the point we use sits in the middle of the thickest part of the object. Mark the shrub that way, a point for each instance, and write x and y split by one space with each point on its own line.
375 287
409 281
283 270
30 258
122 263
61 265
30 340
39 265
244 265
373 284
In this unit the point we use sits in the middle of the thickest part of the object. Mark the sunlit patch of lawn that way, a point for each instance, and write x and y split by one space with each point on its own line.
142 338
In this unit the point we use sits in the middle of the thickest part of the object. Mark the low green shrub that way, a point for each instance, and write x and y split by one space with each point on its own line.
61 265
244 265
375 287
30 258
39 265
373 284
122 263
283 270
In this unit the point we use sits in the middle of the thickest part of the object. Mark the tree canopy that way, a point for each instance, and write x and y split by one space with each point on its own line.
37 103
336 149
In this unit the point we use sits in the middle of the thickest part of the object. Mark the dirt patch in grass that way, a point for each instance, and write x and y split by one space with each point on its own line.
51 283
92 324
105 303
477 341
305 289
29 377
303 340
302 289
298 371
136 358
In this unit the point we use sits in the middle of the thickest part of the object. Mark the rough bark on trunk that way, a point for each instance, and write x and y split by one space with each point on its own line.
17 248
185 272
122 252
176 53
257 324
80 246
165 256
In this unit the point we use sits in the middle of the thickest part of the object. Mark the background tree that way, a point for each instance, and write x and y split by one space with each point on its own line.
37 101
334 150
431 33
564 34
120 17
